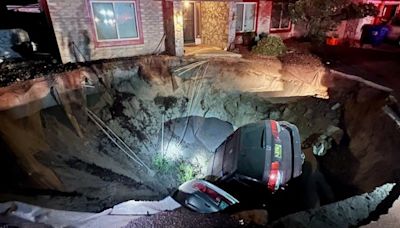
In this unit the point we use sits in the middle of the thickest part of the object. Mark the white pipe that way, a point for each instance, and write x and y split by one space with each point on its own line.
162 134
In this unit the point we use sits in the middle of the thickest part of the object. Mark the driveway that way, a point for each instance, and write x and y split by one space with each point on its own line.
379 66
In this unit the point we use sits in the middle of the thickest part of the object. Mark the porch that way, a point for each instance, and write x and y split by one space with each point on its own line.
208 24
207 51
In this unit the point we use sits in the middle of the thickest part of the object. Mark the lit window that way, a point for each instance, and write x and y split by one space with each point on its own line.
280 15
115 20
245 16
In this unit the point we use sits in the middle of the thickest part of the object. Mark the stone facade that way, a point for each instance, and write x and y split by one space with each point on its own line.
215 23
74 31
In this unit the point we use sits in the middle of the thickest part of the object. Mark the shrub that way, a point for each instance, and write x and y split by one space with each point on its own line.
270 46
161 163
186 172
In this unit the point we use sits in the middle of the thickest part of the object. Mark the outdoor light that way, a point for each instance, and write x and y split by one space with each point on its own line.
178 21
186 4
102 12
96 19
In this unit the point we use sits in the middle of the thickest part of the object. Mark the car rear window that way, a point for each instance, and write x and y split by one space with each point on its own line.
252 136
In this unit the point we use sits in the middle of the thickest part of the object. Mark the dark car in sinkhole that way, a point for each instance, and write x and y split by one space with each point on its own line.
267 152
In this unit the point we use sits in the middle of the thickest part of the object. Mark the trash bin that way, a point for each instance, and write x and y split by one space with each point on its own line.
374 34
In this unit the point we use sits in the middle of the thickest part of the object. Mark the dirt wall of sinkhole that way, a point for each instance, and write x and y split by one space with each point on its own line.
50 144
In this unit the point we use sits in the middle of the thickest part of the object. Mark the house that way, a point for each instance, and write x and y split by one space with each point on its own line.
97 29
222 23
101 29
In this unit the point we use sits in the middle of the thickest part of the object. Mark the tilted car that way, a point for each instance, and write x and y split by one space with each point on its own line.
267 152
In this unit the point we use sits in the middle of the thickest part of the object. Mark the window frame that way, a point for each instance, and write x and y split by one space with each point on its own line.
278 30
244 15
120 41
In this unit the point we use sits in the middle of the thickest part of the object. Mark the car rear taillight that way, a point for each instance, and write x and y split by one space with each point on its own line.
274 177
275 130
210 193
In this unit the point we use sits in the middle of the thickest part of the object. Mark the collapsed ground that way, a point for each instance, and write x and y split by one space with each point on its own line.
66 162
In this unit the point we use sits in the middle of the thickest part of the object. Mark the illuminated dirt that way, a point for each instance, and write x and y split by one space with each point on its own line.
66 158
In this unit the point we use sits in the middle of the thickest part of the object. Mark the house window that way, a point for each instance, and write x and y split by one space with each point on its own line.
280 19
246 17
115 20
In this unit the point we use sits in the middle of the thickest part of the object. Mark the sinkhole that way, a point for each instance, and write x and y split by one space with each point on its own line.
140 138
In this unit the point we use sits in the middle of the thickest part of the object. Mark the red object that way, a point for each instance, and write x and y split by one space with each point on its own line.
331 41
211 193
274 128
273 176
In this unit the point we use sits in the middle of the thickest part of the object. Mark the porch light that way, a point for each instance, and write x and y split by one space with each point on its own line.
178 21
186 4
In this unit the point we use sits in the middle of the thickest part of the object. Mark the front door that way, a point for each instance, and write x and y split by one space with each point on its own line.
188 22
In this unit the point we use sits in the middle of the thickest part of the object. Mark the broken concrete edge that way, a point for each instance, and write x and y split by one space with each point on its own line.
345 213
362 80
120 214
36 89
390 219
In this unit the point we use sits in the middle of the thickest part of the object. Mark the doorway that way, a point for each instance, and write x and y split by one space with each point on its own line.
191 23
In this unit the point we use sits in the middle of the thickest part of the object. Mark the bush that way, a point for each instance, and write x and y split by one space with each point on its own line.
270 46
186 172
161 163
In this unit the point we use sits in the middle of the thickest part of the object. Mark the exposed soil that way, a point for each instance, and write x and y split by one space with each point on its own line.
65 152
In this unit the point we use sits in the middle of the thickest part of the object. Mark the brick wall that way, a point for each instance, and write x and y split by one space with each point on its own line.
264 16
73 24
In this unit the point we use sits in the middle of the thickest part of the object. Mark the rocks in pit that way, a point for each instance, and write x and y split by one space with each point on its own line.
324 141
335 133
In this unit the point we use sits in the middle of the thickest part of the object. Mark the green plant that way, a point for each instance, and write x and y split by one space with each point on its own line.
161 163
321 16
270 46
186 172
